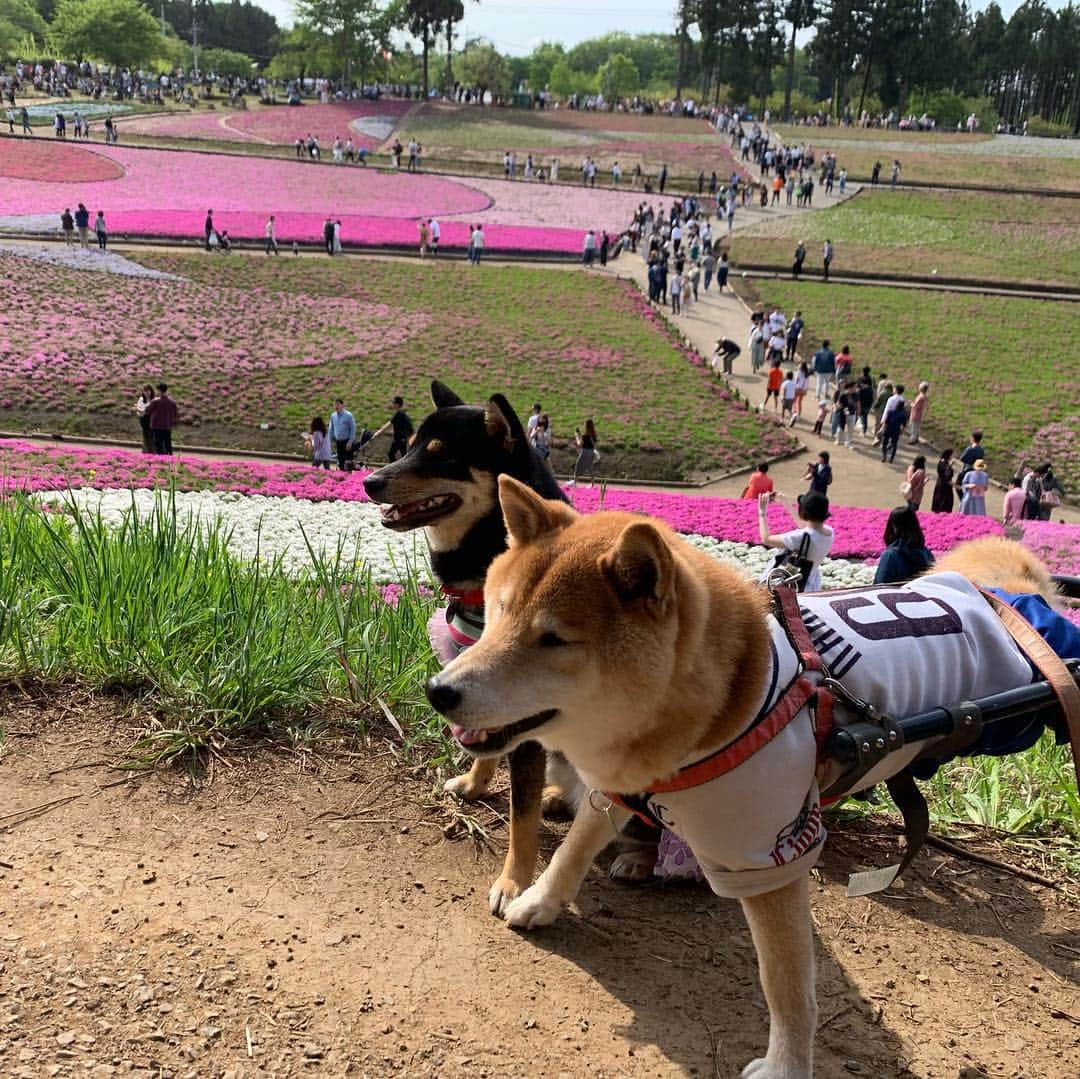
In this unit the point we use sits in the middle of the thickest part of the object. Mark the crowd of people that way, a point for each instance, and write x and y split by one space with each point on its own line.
878 409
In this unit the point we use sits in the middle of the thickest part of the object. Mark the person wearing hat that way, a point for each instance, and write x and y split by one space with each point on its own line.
812 541
974 485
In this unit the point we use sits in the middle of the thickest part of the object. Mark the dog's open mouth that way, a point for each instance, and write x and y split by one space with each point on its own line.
495 739
414 514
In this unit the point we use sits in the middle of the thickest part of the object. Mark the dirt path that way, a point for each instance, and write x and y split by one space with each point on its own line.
305 912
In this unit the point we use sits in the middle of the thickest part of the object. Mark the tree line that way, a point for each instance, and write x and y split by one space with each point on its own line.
878 56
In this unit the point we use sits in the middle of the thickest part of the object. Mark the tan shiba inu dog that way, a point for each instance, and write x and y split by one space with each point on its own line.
611 640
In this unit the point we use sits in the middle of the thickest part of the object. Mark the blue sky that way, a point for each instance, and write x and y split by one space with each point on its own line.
516 27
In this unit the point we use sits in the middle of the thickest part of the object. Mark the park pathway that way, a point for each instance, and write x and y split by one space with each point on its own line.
860 478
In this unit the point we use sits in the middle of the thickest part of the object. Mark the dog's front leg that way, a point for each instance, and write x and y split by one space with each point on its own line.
559 884
780 925
527 767
474 784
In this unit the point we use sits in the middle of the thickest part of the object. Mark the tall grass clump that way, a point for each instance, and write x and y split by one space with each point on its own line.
214 645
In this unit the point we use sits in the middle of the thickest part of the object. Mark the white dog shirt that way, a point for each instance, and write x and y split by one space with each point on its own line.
908 648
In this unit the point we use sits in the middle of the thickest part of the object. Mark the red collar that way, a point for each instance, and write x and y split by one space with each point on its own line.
473 597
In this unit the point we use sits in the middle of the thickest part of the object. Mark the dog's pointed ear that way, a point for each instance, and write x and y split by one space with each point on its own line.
527 515
498 426
640 566
442 396
517 439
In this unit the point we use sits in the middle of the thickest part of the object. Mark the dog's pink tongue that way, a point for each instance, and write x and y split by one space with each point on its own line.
468 737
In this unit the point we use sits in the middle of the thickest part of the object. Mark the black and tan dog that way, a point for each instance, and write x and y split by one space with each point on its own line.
447 484
665 680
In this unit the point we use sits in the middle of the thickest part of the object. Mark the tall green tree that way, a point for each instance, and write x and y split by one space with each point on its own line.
618 78
122 33
359 29
797 14
19 21
483 66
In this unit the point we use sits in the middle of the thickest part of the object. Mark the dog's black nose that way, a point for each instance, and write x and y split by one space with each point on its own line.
374 485
444 699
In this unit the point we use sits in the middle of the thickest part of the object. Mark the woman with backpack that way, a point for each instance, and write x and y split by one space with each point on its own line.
802 550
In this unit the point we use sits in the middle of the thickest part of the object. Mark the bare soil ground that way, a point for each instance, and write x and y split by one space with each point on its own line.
306 911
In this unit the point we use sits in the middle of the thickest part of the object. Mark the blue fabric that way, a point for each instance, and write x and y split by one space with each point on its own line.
1016 735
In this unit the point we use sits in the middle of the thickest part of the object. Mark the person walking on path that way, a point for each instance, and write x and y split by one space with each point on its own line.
975 483
208 229
318 442
824 369
773 382
819 474
676 293
164 415
101 231
722 272
424 237
892 423
757 347
760 483
915 482
82 223
328 235
67 226
800 258
401 423
270 234
588 248
588 455
1013 503
141 406
343 432
826 258
918 413
971 454
794 332
942 500
865 386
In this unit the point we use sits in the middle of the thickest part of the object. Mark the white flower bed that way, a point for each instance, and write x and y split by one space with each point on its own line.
271 527
73 257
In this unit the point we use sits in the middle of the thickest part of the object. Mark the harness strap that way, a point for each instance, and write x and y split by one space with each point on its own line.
800 692
1049 665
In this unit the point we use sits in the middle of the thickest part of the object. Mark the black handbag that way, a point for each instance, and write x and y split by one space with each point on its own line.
792 569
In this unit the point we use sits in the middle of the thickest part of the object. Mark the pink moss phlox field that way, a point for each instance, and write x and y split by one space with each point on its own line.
36 160
167 193
26 466
279 125
101 342
858 530
355 229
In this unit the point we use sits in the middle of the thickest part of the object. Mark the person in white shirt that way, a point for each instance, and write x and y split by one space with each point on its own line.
815 537
435 231
476 245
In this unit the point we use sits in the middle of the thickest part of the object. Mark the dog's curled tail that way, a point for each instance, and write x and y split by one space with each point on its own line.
995 562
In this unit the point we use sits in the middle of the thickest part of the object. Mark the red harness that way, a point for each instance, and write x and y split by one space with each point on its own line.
799 692
473 597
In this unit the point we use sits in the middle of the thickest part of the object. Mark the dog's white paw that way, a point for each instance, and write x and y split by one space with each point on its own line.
763 1068
633 866
532 909
464 788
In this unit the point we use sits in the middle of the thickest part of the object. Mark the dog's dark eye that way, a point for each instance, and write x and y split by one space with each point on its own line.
551 640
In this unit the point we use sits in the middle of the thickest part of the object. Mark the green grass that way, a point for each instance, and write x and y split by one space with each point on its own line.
990 237
159 610
249 341
1007 366
211 649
